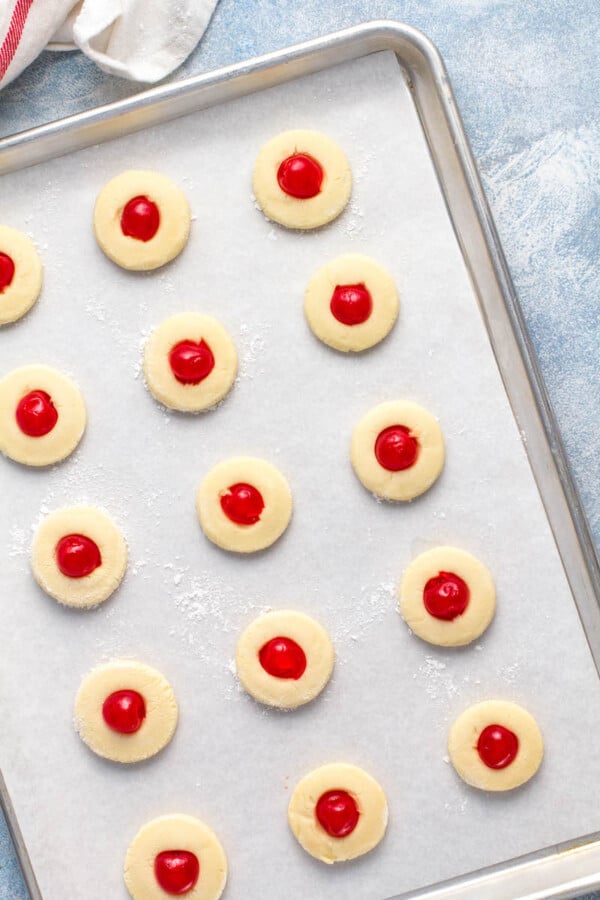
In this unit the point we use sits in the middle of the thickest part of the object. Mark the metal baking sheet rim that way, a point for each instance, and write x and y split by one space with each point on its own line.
557 872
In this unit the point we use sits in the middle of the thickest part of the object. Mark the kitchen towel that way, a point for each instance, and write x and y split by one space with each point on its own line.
143 40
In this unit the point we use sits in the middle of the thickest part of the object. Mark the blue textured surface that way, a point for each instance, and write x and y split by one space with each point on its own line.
526 77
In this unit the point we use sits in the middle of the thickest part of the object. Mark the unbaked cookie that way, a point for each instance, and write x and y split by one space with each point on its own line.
42 415
125 711
351 303
284 659
79 556
338 812
174 856
495 745
244 504
141 220
190 362
447 597
302 179
20 274
398 450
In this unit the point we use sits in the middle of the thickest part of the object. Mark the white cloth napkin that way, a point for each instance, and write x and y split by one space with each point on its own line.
143 40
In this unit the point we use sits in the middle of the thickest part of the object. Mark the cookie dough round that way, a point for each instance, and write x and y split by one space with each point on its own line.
465 736
449 625
89 589
62 394
301 664
174 220
310 212
175 833
356 327
210 340
157 727
370 803
422 428
20 274
259 476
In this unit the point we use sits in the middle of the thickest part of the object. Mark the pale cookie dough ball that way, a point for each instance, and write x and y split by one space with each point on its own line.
302 179
338 812
125 711
20 274
79 556
173 856
397 450
244 504
495 746
284 659
42 415
190 362
447 597
141 220
351 303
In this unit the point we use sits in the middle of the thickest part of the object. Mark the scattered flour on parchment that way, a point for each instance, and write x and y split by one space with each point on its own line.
459 806
138 362
206 608
509 673
252 347
19 542
354 220
436 679
370 606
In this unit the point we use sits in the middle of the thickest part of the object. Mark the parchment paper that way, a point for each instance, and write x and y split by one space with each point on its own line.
184 602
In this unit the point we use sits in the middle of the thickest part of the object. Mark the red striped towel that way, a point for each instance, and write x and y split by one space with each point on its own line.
143 40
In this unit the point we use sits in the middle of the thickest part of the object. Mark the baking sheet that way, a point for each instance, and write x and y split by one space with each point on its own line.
183 602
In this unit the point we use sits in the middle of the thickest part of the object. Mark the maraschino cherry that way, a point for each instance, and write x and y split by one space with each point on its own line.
177 871
497 746
396 448
351 304
36 414
337 813
191 361
7 271
77 555
242 503
300 176
124 711
140 218
282 657
446 596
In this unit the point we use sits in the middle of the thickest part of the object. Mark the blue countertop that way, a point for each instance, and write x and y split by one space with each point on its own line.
526 78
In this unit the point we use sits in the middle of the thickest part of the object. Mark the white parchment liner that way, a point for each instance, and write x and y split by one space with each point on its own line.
183 602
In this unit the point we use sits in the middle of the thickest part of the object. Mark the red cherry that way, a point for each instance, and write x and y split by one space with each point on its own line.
396 449
36 414
242 503
177 871
7 271
351 304
300 176
140 219
191 362
497 746
282 657
124 711
337 812
446 596
77 555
